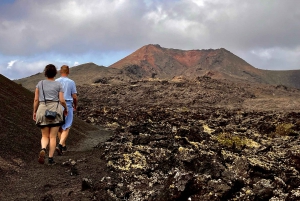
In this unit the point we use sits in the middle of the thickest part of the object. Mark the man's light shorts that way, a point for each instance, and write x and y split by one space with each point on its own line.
69 117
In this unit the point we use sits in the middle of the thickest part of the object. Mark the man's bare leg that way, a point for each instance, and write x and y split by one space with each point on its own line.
63 137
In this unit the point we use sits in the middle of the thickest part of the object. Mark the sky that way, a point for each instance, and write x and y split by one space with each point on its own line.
34 33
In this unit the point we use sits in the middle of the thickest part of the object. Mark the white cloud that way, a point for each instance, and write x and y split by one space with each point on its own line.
11 63
97 30
264 53
199 3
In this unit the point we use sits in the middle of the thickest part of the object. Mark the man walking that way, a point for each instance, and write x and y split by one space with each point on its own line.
70 95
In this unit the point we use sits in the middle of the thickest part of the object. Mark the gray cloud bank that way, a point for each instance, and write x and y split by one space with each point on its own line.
34 33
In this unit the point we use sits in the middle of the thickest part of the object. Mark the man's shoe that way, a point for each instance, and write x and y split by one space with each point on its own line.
59 149
51 161
42 154
64 148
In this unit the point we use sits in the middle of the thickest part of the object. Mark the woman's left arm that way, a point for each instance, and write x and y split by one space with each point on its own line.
35 103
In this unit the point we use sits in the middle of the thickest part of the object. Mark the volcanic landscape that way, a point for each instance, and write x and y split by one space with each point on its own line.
161 124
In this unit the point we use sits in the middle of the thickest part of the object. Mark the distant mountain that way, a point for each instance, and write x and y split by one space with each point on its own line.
158 62
154 61
88 73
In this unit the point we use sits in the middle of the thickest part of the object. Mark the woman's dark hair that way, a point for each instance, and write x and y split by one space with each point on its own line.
50 71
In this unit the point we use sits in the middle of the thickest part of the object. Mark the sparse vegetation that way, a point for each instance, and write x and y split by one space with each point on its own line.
284 129
231 141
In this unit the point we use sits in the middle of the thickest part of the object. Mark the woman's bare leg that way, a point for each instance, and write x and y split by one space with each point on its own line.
52 145
45 137
44 144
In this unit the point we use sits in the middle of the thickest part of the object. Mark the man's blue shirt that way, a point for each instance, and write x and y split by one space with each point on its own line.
68 86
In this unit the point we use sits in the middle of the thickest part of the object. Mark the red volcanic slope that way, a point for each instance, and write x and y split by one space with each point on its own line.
167 63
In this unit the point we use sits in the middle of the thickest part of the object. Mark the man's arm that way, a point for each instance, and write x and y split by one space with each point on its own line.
74 95
75 101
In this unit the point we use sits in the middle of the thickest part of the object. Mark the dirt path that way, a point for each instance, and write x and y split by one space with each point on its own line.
92 139
61 181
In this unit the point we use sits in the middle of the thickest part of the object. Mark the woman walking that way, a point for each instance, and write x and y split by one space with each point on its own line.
49 95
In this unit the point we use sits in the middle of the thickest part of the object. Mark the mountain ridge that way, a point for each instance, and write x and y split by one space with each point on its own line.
156 62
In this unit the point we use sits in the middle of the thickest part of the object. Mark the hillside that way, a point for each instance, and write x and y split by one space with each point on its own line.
16 122
154 61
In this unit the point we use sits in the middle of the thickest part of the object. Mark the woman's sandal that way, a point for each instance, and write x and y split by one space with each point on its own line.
42 154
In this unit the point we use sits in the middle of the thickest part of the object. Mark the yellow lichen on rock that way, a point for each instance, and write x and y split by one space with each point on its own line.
251 143
195 144
207 129
129 161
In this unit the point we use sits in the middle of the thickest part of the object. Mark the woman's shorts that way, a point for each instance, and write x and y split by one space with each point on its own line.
42 121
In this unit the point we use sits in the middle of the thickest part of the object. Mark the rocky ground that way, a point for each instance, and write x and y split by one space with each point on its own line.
174 140
198 140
